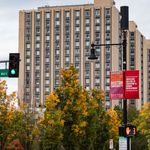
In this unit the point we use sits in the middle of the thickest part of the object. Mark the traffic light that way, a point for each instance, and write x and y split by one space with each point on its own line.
130 130
124 10
14 65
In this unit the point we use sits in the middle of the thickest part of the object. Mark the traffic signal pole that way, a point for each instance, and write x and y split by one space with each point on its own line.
125 121
124 68
124 28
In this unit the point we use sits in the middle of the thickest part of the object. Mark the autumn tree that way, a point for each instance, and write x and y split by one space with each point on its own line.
16 125
114 123
6 113
74 118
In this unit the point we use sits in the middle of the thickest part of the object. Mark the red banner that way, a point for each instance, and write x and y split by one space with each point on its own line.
132 84
116 85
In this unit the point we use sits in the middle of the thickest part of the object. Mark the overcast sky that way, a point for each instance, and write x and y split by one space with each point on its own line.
139 11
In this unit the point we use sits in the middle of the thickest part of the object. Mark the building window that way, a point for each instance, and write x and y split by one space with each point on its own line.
47 74
77 29
37 81
77 58
37 45
37 53
37 67
57 66
38 38
97 65
97 12
97 81
57 14
28 60
47 60
87 72
28 45
57 22
87 43
87 13
47 38
77 13
87 81
87 29
37 89
77 51
67 14
97 21
108 27
67 52
47 15
77 44
37 74
77 21
67 59
37 30
87 21
47 89
57 52
37 15
47 82
28 68
97 28
107 88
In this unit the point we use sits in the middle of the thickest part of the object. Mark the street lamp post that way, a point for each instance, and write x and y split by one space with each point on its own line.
124 28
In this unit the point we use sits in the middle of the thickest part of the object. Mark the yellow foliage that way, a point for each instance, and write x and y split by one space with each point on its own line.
143 120
69 102
62 122
51 122
83 124
52 101
65 108
75 129
85 113
114 123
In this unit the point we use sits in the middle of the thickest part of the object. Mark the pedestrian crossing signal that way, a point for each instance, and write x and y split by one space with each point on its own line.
130 130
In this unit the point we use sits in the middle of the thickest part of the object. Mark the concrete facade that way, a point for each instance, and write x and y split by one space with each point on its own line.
51 38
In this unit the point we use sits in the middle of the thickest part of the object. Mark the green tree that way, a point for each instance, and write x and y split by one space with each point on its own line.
132 114
143 123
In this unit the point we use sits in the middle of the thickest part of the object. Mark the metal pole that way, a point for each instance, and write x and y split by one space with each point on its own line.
124 68
125 121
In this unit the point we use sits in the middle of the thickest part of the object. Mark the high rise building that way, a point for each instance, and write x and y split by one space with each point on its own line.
52 37
147 71
136 56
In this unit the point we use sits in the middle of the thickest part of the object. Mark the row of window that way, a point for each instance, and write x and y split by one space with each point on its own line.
57 38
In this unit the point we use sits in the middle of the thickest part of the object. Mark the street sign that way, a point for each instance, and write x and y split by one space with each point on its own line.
122 143
111 144
3 72
132 84
116 85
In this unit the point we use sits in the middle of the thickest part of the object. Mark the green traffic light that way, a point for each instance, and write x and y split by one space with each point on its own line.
13 71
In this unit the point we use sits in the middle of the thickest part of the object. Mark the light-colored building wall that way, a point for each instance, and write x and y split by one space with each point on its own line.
87 23
136 60
51 38
147 70
22 56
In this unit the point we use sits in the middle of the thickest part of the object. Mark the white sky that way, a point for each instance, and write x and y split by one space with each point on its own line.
139 11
